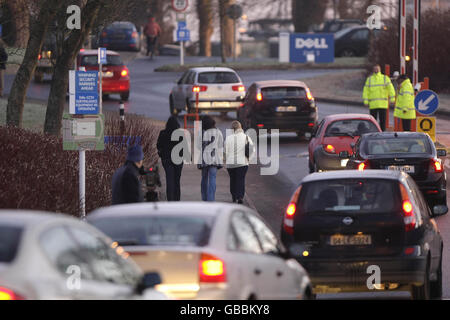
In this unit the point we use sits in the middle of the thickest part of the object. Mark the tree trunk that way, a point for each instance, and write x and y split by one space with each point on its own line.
226 30
64 62
305 13
21 19
205 16
16 100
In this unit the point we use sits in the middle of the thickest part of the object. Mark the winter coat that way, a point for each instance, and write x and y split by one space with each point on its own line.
126 186
235 149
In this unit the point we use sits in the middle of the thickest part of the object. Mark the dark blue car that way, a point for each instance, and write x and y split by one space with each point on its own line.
120 35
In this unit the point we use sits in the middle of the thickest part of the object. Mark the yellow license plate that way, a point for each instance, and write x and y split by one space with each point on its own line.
350 240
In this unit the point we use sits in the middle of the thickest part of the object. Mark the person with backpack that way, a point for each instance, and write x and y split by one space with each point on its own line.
3 60
238 149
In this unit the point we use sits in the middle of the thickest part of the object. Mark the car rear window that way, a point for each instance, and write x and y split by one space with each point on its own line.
9 242
283 92
111 60
217 77
158 230
397 145
352 127
353 196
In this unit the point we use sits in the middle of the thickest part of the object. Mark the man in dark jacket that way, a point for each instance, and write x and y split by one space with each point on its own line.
126 187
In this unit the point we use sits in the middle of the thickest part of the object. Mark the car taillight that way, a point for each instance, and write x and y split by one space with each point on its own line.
124 73
238 88
329 148
409 217
308 94
259 97
134 34
362 166
291 210
39 57
211 269
199 88
7 294
436 165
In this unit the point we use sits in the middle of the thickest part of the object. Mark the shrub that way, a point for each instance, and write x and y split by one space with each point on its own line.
434 58
35 172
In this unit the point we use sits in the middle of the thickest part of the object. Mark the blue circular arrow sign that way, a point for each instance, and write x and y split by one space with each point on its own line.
426 102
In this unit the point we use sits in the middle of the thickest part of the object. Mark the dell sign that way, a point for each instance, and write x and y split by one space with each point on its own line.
306 47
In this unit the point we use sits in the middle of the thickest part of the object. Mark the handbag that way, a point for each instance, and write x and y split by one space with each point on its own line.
247 147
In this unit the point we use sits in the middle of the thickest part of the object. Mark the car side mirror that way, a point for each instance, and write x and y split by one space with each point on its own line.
439 210
149 280
441 152
344 155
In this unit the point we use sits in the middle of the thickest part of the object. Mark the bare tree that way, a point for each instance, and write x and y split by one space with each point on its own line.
16 20
206 28
306 13
226 30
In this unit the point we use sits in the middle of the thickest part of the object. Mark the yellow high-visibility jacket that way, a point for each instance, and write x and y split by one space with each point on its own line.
404 106
378 91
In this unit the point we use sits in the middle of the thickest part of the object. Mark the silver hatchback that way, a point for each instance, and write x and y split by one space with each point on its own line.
218 90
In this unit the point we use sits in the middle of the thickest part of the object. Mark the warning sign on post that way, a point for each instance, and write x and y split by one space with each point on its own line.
427 125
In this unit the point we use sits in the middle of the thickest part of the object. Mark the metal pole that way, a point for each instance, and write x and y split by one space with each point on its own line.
416 42
101 87
82 182
234 39
181 53
402 15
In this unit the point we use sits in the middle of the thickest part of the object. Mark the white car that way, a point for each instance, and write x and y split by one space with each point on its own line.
218 89
54 256
205 250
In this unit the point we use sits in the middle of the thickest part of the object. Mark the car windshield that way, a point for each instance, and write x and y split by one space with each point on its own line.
354 196
397 145
284 93
92 60
217 77
158 230
9 242
352 127
341 33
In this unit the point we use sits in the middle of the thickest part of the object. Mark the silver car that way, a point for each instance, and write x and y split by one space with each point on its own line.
53 256
218 89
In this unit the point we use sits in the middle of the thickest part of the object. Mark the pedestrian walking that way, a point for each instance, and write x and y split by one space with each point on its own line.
212 151
126 186
404 105
152 31
238 150
377 93
173 170
3 60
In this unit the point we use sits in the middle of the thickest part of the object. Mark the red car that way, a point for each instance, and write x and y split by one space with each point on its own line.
116 76
336 133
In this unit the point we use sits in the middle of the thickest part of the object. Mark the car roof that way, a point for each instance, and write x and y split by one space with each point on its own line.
165 208
206 69
354 174
348 116
90 52
394 135
280 83
28 218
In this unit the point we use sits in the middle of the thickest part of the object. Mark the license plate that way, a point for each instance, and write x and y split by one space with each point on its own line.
344 162
407 169
221 104
353 240
287 109
108 74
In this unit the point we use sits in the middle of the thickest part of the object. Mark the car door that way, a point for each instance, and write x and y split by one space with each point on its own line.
360 41
284 279
315 140
177 91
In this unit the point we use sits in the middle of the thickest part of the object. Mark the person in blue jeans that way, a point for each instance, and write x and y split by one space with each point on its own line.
212 146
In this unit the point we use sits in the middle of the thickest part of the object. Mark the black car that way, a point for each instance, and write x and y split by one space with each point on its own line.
353 42
411 152
346 226
279 104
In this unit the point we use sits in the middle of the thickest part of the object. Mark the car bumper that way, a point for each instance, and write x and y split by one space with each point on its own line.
216 105
282 122
327 161
355 274
116 86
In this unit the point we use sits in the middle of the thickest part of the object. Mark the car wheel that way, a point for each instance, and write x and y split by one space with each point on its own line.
422 292
347 53
38 77
436 286
125 96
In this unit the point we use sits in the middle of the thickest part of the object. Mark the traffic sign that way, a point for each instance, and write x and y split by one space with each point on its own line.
83 92
180 5
426 102
102 56
181 25
427 125
234 11
83 132
183 35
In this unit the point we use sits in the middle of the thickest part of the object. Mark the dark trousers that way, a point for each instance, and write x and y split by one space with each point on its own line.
173 176
380 115
406 123
237 182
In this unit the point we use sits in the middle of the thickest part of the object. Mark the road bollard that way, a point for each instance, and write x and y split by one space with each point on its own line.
122 117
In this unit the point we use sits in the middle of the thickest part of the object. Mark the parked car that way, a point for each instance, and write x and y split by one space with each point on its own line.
286 105
353 41
46 58
43 255
343 225
120 35
205 251
336 133
116 76
217 90
411 152
333 26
